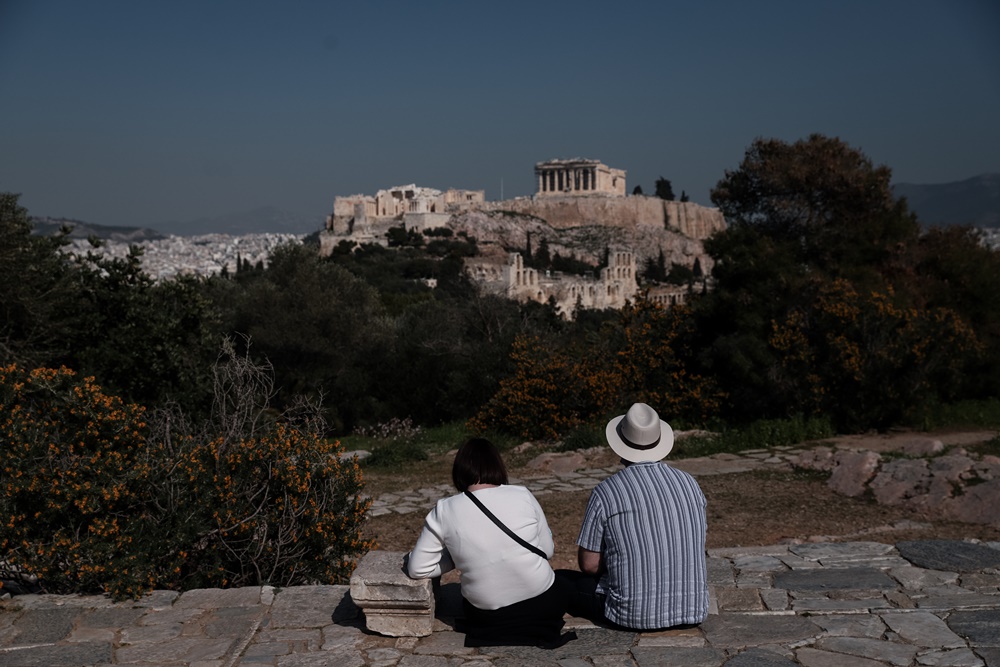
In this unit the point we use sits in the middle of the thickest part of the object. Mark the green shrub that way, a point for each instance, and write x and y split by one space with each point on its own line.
395 455
584 436
980 414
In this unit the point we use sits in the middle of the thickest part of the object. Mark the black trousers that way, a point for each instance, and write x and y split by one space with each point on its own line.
583 600
537 621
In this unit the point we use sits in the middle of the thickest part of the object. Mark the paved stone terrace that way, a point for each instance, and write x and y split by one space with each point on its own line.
863 604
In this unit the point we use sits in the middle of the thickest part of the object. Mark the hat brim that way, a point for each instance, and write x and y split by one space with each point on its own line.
634 455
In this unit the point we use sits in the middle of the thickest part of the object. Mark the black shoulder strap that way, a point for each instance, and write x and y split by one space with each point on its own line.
530 547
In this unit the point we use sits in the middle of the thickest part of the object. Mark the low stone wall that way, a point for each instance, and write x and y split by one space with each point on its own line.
923 475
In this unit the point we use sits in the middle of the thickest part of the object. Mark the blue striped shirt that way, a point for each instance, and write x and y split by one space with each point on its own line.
648 521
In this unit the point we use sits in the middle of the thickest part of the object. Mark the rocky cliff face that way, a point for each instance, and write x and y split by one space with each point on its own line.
698 222
500 232
573 226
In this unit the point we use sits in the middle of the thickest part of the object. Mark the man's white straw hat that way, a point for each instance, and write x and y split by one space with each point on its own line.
640 435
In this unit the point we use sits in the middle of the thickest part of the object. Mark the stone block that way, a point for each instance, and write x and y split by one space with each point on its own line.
393 603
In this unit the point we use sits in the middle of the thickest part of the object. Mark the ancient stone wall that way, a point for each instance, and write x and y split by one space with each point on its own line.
616 285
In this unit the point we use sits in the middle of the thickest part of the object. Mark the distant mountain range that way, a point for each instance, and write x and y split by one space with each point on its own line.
266 219
974 201
263 220
82 230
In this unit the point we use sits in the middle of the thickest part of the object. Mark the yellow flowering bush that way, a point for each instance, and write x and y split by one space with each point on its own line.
71 481
558 385
280 508
865 359
91 501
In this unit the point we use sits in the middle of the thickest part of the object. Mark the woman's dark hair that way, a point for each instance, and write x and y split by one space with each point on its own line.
478 462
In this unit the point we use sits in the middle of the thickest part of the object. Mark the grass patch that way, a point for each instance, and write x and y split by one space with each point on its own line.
762 434
583 437
396 452
965 414
991 447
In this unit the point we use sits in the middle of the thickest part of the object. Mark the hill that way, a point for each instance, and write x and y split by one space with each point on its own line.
262 220
82 230
974 201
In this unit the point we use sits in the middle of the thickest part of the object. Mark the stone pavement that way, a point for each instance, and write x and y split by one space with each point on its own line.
864 604
861 604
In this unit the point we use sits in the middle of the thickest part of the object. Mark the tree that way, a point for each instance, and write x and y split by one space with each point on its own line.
800 215
826 201
148 342
637 190
542 257
39 298
664 190
684 196
325 331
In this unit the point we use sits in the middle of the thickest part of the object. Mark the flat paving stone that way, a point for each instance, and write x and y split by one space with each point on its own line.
954 657
991 656
949 555
875 649
737 631
306 606
668 657
852 625
720 572
72 655
39 626
981 628
755 563
811 657
840 550
851 578
923 629
589 642
758 657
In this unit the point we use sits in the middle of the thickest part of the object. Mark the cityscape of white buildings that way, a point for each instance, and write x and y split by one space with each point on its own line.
205 255
208 254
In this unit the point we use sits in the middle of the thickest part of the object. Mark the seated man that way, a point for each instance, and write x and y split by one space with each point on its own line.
642 542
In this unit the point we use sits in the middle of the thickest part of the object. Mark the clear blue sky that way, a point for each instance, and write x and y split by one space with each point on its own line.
137 113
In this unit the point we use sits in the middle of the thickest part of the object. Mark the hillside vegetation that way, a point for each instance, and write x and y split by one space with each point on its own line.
829 304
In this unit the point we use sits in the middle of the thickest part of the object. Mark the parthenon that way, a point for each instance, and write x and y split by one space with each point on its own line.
578 176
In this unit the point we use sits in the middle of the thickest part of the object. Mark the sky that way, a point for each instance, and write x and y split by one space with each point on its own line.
142 113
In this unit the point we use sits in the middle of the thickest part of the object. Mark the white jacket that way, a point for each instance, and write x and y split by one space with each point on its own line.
496 570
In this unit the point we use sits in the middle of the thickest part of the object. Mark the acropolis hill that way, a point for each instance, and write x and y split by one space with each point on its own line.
580 209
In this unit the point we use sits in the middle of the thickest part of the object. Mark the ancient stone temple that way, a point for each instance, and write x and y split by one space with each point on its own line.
578 176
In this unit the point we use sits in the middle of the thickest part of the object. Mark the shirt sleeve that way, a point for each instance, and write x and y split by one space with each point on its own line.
429 557
592 529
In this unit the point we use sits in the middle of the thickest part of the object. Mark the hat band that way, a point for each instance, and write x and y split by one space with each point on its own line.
635 445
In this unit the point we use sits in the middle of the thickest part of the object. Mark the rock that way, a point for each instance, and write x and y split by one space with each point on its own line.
976 504
950 468
922 447
557 462
900 480
852 471
818 458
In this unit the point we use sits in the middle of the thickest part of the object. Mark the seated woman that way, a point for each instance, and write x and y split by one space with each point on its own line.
508 591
